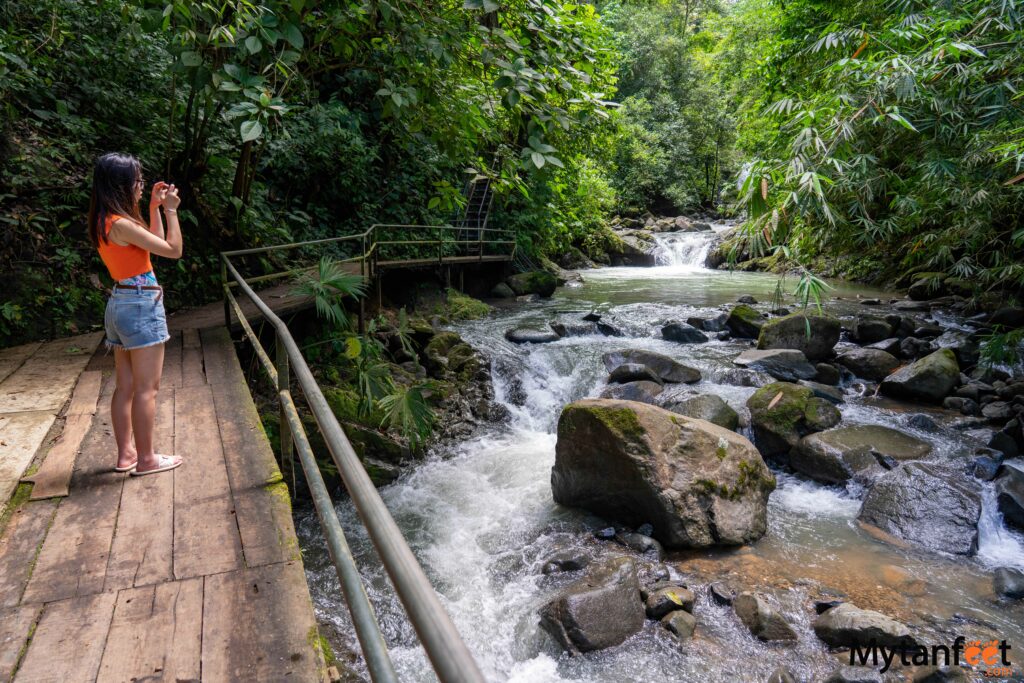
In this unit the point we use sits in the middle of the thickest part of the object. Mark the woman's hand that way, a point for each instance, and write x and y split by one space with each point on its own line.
158 193
171 200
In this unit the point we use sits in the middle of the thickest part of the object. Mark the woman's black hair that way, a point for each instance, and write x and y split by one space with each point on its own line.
113 192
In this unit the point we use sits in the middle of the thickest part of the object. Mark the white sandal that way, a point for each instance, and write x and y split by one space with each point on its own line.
165 463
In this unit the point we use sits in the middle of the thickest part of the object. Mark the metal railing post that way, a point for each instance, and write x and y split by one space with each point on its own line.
224 284
284 384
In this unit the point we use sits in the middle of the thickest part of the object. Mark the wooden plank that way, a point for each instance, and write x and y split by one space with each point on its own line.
68 643
21 435
15 626
18 548
73 561
142 549
53 477
191 359
262 504
86 394
219 356
155 634
12 358
206 537
44 381
172 362
257 625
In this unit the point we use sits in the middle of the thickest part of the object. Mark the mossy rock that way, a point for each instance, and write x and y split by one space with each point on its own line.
927 380
778 415
535 282
815 335
464 307
821 414
744 321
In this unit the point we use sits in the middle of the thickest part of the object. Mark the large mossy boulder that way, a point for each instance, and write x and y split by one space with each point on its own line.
598 611
815 335
926 506
537 282
697 484
666 368
744 321
779 417
854 452
928 380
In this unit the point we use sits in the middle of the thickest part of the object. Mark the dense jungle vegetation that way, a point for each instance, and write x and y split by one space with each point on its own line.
890 130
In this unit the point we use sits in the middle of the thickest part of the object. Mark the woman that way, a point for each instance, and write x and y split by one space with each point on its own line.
136 326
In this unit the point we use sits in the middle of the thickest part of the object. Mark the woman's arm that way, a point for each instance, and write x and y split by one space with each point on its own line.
156 198
131 232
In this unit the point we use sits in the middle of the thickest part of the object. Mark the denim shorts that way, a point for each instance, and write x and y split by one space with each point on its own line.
135 318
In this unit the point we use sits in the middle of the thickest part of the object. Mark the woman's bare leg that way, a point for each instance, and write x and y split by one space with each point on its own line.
147 367
121 408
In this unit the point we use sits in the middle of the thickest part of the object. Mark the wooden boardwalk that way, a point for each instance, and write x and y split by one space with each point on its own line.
192 575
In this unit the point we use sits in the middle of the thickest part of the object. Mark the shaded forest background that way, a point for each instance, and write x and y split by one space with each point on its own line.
889 130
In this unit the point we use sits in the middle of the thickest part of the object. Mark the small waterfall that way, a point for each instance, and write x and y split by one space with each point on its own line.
684 250
998 546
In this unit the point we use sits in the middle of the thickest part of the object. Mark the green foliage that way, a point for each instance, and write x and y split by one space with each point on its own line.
327 287
406 411
895 131
463 307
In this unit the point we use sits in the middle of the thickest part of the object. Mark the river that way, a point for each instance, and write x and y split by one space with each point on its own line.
481 519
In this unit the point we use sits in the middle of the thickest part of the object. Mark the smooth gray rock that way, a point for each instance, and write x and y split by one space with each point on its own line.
683 333
643 391
854 452
846 625
566 560
927 507
681 623
1008 583
668 599
522 335
666 368
645 545
697 484
705 407
721 592
871 364
829 393
791 332
869 330
890 345
599 611
633 372
787 365
761 619
1010 492
929 379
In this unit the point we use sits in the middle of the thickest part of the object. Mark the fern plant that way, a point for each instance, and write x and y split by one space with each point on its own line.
328 286
406 411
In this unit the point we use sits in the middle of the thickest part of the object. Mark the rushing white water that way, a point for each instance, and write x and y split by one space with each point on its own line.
684 250
480 517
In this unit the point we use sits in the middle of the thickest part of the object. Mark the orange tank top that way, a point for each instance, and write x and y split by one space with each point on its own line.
123 262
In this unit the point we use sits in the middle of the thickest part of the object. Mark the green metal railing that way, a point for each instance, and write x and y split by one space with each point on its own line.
444 646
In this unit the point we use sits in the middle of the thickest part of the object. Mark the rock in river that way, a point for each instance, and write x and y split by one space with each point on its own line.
928 380
762 620
787 365
698 484
683 333
666 368
536 282
791 332
846 625
643 391
838 455
926 506
1008 583
1010 492
705 407
522 335
633 372
871 364
598 611
778 415
744 321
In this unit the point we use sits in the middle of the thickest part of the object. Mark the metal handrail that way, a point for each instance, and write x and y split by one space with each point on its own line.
451 659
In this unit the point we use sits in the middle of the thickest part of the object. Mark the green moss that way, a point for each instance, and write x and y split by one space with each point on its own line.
21 495
442 343
320 644
463 307
620 421
787 413
746 313
721 452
